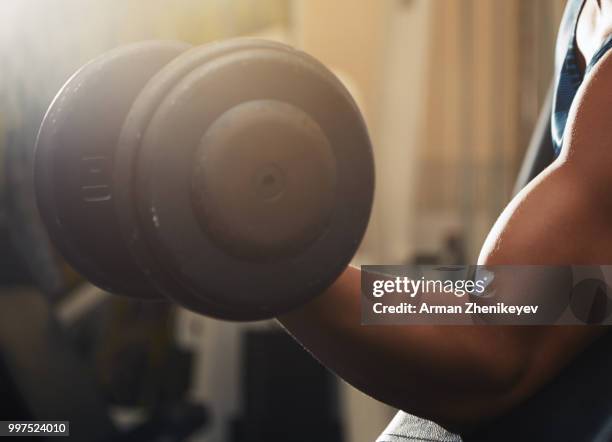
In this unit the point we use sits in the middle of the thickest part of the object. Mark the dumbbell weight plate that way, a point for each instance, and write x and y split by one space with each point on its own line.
74 160
126 155
204 242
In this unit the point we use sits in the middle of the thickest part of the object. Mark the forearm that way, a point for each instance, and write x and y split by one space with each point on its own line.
455 375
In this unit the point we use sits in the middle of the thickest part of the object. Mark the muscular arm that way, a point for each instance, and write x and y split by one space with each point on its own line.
460 376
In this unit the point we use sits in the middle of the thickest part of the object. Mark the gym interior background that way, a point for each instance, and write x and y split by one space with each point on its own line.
450 91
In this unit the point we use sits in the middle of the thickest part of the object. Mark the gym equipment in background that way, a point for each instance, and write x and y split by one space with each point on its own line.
287 394
44 377
234 178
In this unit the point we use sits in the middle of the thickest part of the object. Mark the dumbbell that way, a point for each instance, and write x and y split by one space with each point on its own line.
235 178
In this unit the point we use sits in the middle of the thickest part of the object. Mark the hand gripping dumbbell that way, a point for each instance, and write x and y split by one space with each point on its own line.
234 178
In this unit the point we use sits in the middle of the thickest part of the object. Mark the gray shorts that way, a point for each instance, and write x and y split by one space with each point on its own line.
406 427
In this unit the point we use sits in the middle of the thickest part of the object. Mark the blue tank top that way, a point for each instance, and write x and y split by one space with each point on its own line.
568 75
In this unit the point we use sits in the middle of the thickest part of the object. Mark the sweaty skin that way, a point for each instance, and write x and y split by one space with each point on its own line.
461 376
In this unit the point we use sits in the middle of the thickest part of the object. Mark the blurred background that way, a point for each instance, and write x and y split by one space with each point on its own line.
450 91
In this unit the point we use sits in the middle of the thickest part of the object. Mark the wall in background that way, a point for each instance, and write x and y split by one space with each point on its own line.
450 92
489 68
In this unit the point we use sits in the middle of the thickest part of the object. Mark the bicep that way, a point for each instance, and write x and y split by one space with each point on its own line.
564 216
553 221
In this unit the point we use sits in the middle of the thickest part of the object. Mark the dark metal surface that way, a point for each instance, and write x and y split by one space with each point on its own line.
74 159
139 201
264 181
